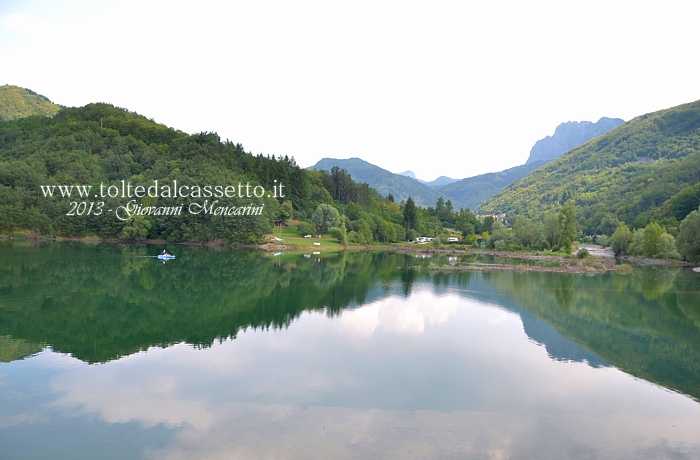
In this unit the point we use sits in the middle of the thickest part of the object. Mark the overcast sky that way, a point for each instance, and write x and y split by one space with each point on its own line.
453 88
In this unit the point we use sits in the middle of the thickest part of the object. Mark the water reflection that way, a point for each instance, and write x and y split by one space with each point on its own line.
469 387
400 314
232 354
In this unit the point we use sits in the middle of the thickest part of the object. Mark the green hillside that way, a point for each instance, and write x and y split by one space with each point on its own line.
78 174
101 146
16 102
475 190
647 168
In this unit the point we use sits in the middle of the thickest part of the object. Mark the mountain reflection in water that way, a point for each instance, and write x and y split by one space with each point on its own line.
232 353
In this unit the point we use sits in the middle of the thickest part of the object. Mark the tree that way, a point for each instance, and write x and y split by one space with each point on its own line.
339 234
411 234
286 210
652 234
440 207
486 225
400 232
304 228
449 208
443 210
523 231
567 224
500 236
621 239
325 217
688 241
685 202
136 229
364 232
609 224
666 248
552 229
636 246
410 214
466 222
387 232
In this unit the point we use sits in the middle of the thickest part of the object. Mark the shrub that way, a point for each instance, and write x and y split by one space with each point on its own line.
621 239
411 234
339 234
17 235
623 268
305 228
667 247
583 253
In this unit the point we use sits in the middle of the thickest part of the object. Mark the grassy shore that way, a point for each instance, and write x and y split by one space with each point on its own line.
288 239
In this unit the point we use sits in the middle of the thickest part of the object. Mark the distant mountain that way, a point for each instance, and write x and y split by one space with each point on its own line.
475 190
442 180
16 102
569 135
386 182
647 168
472 191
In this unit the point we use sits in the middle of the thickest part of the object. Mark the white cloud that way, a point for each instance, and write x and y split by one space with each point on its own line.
400 314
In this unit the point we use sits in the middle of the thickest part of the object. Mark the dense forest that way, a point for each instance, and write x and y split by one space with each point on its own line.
102 146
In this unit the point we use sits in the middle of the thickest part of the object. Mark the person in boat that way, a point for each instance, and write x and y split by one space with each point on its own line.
164 253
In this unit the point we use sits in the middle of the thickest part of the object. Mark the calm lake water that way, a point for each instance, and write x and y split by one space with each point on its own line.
108 353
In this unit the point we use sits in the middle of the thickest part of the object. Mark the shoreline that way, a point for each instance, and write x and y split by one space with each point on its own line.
589 265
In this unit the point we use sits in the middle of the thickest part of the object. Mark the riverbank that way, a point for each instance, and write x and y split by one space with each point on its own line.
599 261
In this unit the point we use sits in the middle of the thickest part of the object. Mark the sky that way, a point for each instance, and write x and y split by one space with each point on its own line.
454 88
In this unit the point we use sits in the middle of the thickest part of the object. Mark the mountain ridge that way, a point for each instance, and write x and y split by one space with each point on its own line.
385 182
569 135
634 172
471 192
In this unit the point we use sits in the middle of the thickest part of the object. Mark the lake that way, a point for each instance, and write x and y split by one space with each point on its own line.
106 352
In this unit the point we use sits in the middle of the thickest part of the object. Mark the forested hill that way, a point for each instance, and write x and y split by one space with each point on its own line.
16 102
100 145
647 168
